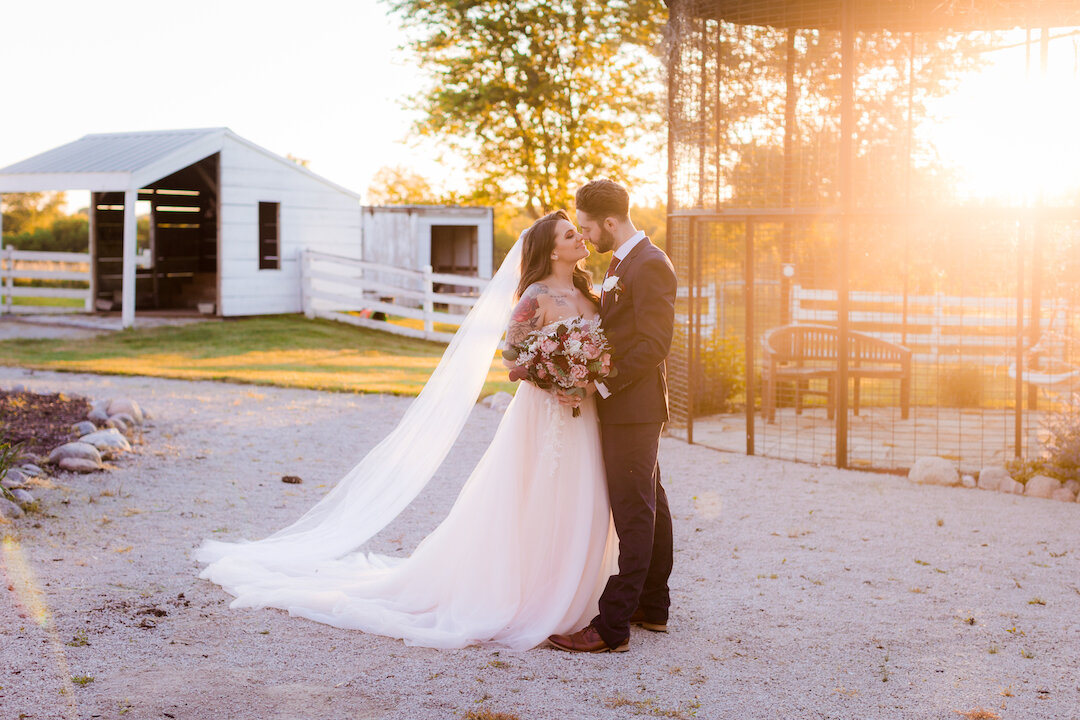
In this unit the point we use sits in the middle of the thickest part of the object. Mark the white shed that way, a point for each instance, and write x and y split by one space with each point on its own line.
228 218
452 240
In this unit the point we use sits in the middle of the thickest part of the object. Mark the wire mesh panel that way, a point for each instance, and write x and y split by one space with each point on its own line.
844 296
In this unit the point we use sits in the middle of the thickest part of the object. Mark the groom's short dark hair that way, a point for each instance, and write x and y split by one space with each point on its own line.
603 198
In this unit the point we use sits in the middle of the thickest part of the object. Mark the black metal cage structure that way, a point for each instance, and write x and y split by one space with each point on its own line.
809 212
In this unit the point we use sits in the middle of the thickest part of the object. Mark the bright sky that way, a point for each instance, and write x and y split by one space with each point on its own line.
322 79
325 80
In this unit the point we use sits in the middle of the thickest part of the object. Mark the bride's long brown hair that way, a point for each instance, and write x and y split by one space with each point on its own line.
536 256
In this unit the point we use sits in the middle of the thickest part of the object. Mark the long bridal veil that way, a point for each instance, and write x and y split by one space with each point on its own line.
393 473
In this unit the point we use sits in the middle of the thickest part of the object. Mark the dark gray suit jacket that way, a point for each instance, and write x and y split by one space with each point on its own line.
639 319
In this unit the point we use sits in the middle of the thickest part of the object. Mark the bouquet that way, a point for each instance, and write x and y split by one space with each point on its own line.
564 359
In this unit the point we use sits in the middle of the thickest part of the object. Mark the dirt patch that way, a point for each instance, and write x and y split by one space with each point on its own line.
39 422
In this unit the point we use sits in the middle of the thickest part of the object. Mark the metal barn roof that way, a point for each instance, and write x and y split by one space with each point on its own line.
126 161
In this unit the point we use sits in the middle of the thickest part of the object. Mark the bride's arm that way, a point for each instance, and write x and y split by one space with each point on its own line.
528 314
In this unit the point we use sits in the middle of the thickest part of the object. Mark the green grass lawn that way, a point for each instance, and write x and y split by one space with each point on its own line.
53 302
285 350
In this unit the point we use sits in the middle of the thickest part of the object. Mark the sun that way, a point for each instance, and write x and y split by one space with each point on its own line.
1011 134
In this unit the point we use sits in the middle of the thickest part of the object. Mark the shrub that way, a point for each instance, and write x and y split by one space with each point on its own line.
960 386
720 374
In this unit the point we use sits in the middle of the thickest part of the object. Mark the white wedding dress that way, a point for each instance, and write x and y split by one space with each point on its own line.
525 551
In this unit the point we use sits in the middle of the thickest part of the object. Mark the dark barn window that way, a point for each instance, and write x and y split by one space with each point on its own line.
269 238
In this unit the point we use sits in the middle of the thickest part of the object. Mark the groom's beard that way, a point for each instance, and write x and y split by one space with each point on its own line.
606 243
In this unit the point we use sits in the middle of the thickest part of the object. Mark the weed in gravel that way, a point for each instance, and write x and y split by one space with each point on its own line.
1036 601
978 714
82 679
485 714
78 640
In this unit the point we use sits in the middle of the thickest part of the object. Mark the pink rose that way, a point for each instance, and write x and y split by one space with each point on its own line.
575 336
548 346
540 371
579 372
551 369
591 351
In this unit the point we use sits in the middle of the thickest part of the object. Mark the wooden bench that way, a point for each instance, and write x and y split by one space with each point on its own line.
802 353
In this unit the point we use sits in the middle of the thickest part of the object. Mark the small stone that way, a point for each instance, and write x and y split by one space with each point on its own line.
83 428
1073 485
1063 495
97 416
1041 486
32 470
22 497
967 481
77 450
124 406
10 510
291 479
934 471
79 465
498 401
15 475
8 484
18 387
992 476
122 422
1010 486
109 442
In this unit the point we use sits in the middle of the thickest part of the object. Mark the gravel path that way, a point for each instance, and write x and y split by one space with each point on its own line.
799 591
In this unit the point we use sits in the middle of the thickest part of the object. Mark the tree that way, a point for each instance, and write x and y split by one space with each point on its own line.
538 95
400 186
27 212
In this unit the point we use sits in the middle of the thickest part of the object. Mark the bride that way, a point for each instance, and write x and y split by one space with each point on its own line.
528 545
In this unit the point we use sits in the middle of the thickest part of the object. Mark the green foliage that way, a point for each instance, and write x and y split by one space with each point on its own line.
1060 457
538 96
66 233
8 456
960 386
398 185
27 212
721 374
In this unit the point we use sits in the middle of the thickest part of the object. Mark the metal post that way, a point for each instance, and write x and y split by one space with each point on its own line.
9 277
751 336
788 182
1018 387
692 331
847 128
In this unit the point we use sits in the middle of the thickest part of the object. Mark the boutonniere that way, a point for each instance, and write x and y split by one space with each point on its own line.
613 283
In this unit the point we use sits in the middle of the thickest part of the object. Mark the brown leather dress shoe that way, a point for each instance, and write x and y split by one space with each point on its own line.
639 619
586 640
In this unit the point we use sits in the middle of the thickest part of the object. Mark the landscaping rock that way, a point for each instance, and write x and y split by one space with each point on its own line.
22 497
1073 485
499 401
1011 486
1042 486
125 406
1063 495
9 510
79 465
31 470
9 484
934 471
992 477
122 422
14 475
97 416
109 442
967 481
83 428
75 450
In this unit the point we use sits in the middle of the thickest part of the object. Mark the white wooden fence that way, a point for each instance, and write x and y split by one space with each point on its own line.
350 291
937 328
28 265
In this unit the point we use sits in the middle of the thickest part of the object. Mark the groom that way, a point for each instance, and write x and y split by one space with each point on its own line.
637 311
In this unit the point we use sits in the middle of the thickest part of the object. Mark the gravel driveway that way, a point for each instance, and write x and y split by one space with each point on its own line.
799 591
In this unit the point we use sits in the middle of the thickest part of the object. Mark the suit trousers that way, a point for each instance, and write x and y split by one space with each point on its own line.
639 508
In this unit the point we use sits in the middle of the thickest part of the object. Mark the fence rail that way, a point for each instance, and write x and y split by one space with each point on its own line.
18 265
349 290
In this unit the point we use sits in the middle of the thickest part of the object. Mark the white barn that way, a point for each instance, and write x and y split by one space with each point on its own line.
228 218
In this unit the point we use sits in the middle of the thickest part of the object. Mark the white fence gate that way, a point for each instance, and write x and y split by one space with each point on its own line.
353 291
44 266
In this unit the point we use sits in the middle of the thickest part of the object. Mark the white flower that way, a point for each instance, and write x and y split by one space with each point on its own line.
610 283
573 346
